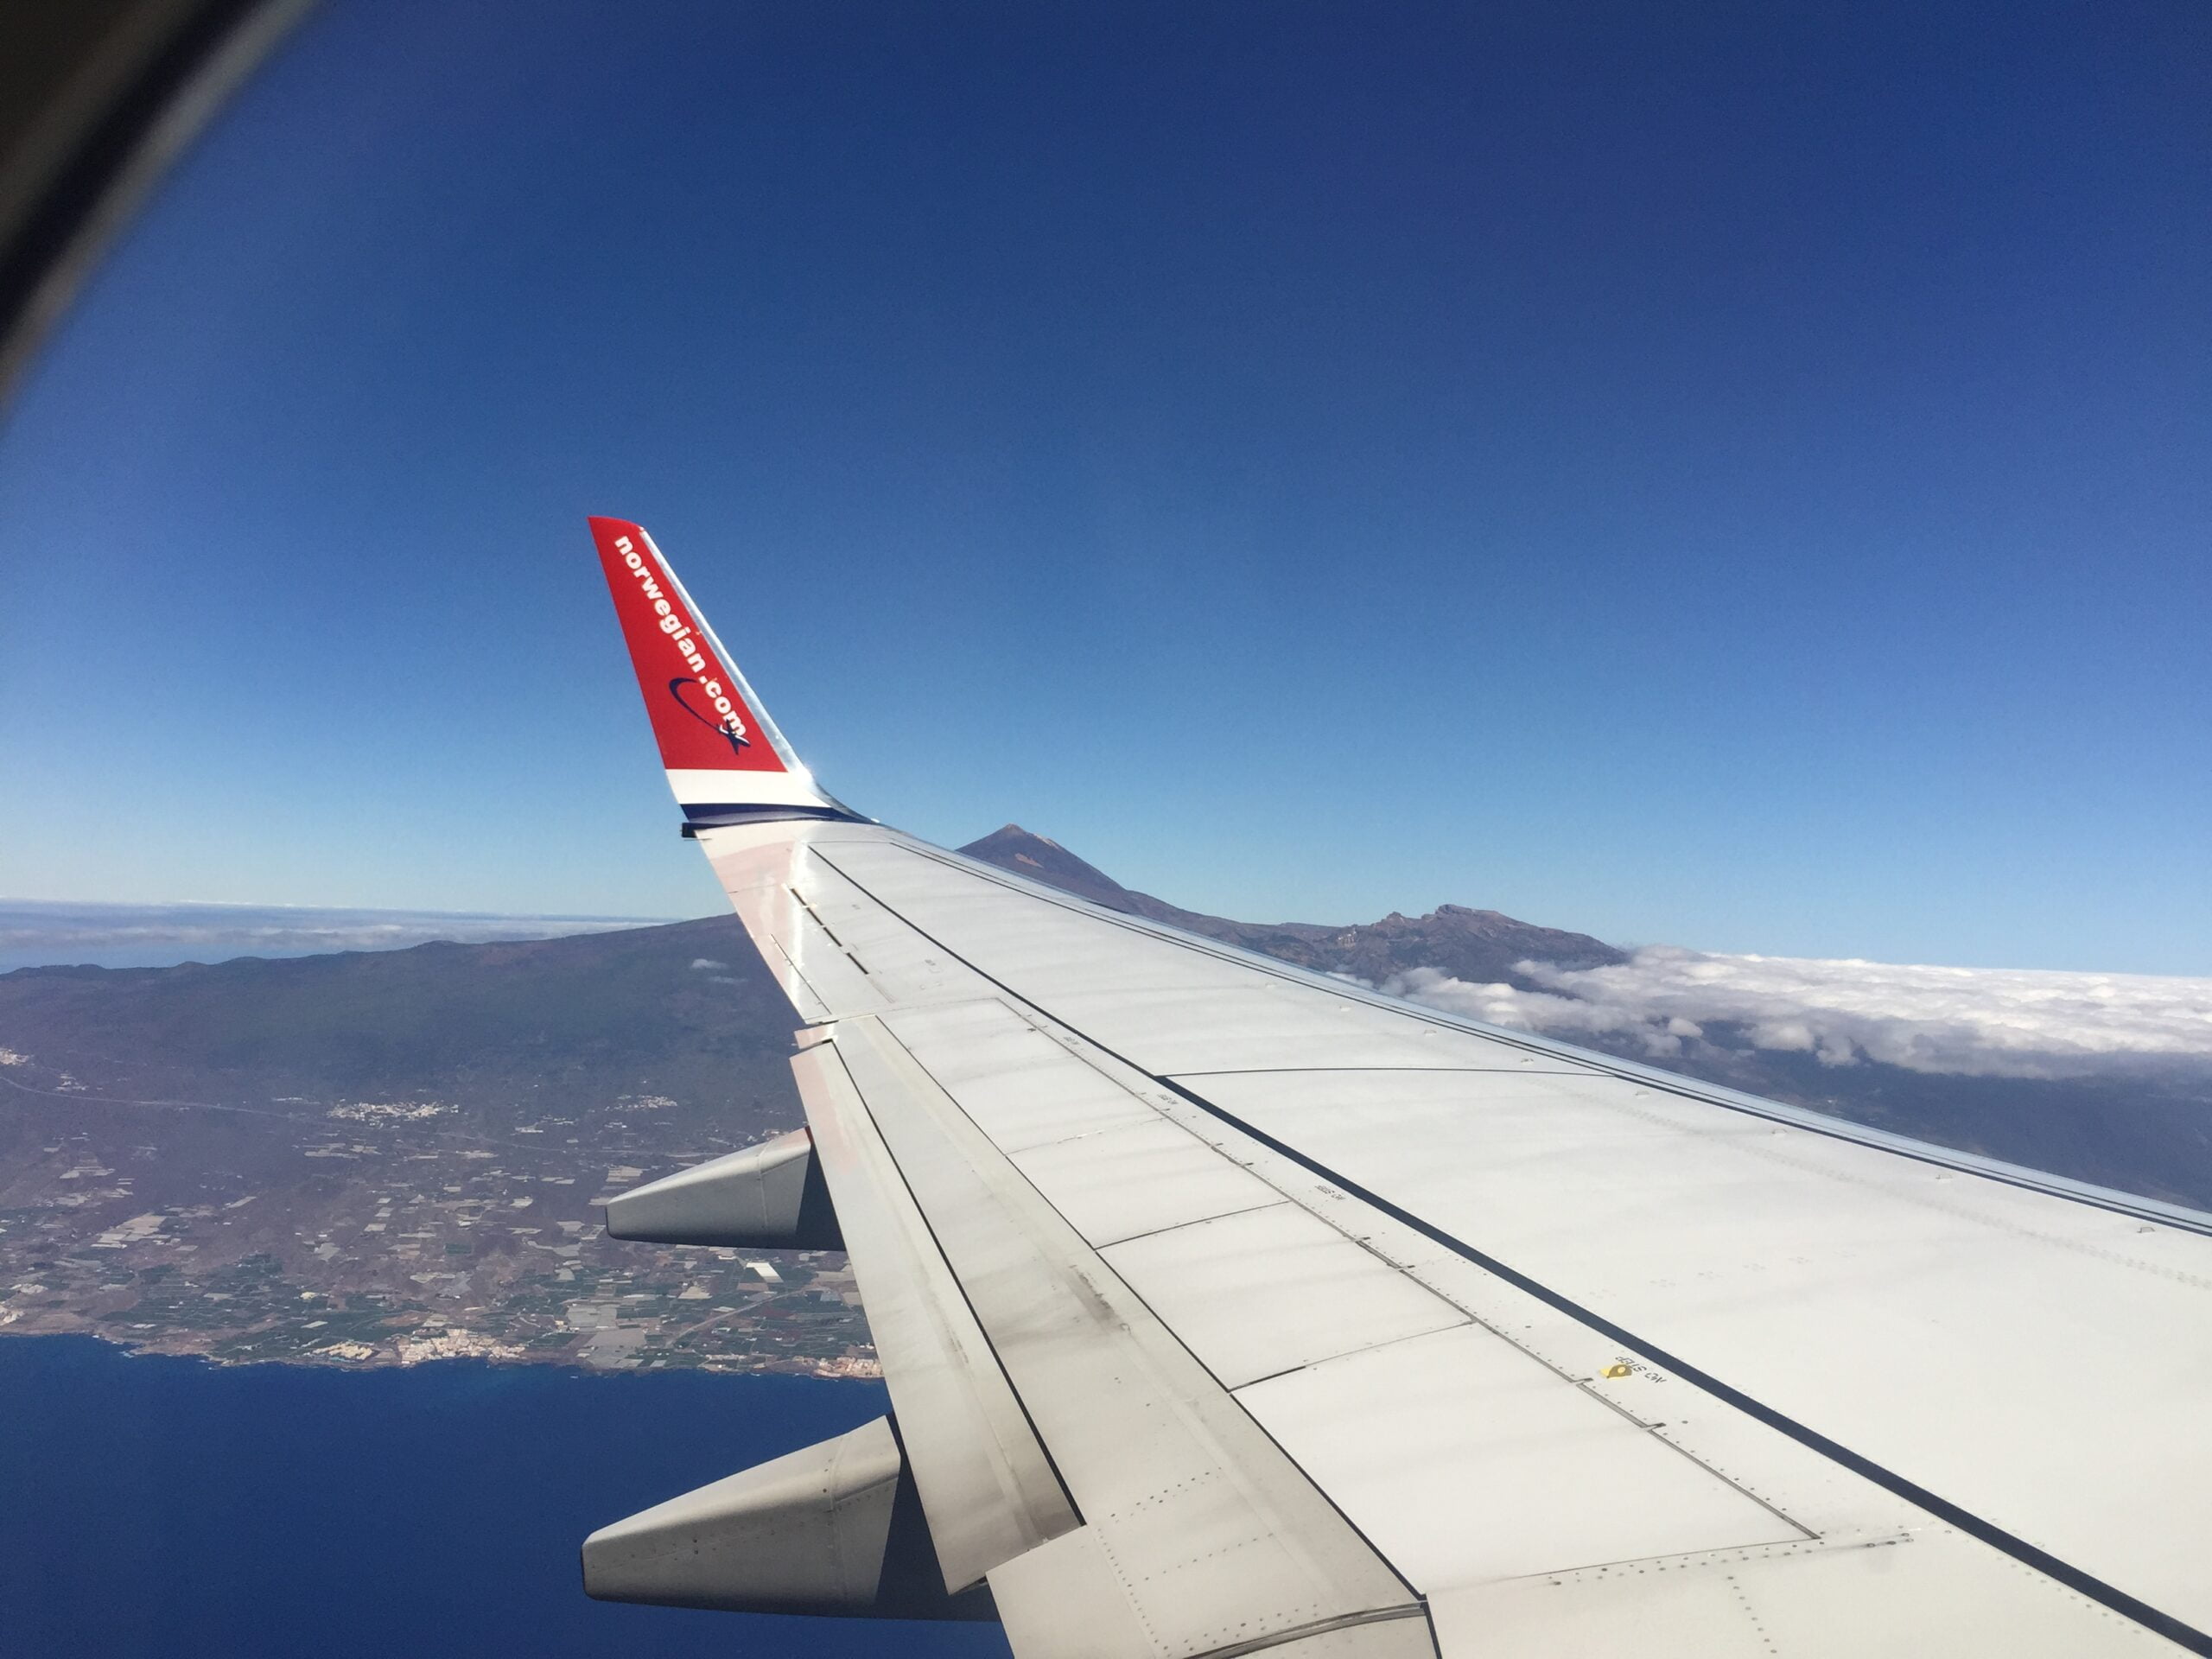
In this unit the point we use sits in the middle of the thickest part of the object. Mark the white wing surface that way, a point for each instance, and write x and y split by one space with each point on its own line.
1227 1308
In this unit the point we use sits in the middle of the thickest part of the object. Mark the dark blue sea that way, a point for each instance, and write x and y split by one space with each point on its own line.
157 1506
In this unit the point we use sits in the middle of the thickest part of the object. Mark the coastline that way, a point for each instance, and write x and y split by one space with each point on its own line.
406 1351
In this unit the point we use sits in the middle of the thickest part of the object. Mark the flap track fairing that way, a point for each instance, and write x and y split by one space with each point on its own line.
769 1196
836 1529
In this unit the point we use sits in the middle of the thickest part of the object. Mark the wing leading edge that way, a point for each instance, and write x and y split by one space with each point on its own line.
1224 1308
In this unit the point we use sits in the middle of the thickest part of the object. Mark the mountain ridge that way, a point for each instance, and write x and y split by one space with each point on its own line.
1482 946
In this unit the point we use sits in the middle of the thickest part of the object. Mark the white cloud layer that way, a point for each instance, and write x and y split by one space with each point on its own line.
1995 1022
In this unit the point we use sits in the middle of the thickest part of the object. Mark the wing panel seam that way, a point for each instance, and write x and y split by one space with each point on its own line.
1419 1602
966 1301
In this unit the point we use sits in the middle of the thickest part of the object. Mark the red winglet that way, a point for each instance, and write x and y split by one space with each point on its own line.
726 760
701 717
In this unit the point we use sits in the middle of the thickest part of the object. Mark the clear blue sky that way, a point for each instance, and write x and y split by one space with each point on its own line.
1733 475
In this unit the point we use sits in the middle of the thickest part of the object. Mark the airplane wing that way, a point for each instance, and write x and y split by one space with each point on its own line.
1226 1308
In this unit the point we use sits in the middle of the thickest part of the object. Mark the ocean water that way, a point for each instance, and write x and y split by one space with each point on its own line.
159 1506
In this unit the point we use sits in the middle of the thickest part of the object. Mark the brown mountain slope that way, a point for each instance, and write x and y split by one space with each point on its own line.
1481 945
